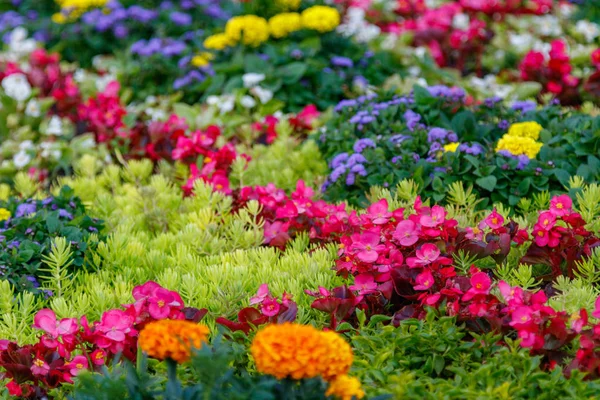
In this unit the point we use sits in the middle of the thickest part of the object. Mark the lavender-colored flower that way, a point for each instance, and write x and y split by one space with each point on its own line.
25 209
437 134
184 61
339 160
505 153
342 62
359 169
399 138
412 119
475 149
504 124
416 157
356 159
297 54
452 137
92 229
65 214
360 82
173 48
445 91
350 179
492 101
33 281
523 161
166 5
180 18
337 173
48 293
141 14
435 146
186 4
182 82
13 245
524 106
345 103
120 31
439 169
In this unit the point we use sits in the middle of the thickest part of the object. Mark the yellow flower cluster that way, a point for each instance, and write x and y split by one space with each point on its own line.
530 129
4 214
218 42
250 29
451 147
320 18
521 139
345 387
283 24
300 351
202 59
172 339
289 4
74 9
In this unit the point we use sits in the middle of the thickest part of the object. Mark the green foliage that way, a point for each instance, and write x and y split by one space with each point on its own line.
434 358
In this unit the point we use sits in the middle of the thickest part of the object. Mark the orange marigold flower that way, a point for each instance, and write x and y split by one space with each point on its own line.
300 351
345 387
172 339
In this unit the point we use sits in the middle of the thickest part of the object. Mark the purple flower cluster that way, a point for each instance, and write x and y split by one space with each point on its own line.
450 93
362 144
437 137
352 165
370 113
524 106
342 62
412 120
167 47
191 77
522 159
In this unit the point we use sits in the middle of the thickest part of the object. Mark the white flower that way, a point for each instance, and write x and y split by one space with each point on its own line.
79 75
421 51
356 25
17 87
55 127
547 25
18 43
264 95
389 42
252 79
212 100
460 21
226 104
33 108
88 143
156 114
247 102
26 145
521 43
587 29
21 159
278 114
415 70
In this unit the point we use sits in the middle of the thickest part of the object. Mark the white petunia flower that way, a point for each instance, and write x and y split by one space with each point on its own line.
26 145
521 43
21 159
212 100
264 95
226 104
33 108
587 29
55 127
252 79
247 102
460 21
17 87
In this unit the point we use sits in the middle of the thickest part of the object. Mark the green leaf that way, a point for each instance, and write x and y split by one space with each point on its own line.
292 73
488 182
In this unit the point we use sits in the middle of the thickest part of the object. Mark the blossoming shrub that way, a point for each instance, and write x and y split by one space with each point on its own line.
27 229
437 137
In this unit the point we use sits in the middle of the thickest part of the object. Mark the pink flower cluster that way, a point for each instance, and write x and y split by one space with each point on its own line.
103 115
68 346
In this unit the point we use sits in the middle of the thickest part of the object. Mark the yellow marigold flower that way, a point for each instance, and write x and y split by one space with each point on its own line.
283 24
320 18
202 59
517 145
289 4
451 147
345 387
59 18
217 42
4 214
530 129
172 339
252 30
300 351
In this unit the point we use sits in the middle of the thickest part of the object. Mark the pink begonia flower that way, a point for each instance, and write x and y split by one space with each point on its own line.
378 212
474 233
529 339
146 290
425 255
45 320
115 325
521 317
302 191
367 246
98 357
263 292
494 220
39 367
161 303
436 217
546 220
289 210
406 233
561 205
541 236
77 364
270 307
579 320
424 280
596 312
513 295
364 284
480 285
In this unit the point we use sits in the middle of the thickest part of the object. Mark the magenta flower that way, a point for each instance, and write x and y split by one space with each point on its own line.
474 233
146 290
494 220
436 217
406 233
546 220
39 367
512 295
364 284
424 280
115 325
480 285
425 255
45 320
261 295
561 205
367 245
596 312
270 307
378 212
161 303
77 364
521 317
